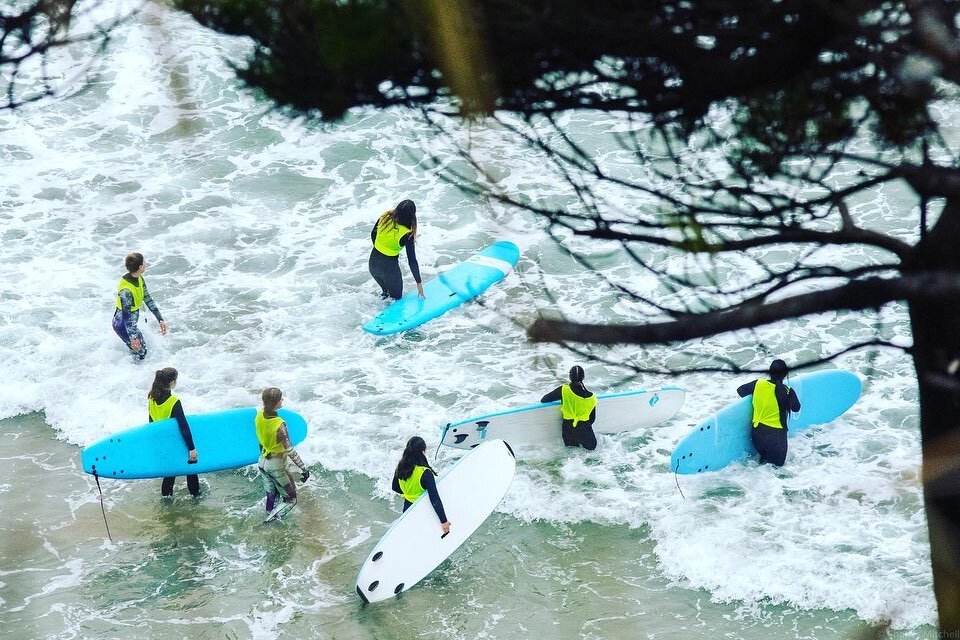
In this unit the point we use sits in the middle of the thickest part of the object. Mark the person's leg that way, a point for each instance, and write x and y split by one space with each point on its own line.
778 446
386 271
759 443
119 328
166 487
193 485
587 438
566 431
394 280
275 472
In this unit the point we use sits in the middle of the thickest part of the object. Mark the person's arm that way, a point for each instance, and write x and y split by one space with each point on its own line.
396 485
181 419
373 232
745 390
429 485
554 395
593 416
408 242
148 300
284 439
794 401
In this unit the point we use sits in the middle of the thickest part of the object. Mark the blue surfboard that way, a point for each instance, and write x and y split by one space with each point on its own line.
724 437
450 289
223 439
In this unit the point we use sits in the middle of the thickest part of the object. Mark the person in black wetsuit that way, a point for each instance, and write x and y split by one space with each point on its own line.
772 402
578 410
131 295
414 476
394 230
162 404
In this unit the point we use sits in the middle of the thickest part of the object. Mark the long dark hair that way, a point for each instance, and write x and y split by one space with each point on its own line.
414 454
405 214
576 378
162 380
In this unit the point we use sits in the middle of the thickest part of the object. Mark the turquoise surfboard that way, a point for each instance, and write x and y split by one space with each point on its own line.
450 289
724 437
224 440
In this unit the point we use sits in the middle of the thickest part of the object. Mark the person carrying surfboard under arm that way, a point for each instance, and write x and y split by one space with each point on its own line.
414 475
578 410
772 402
131 295
162 404
394 230
275 450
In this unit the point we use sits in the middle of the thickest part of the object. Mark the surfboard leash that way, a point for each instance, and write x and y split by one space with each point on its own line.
676 478
102 508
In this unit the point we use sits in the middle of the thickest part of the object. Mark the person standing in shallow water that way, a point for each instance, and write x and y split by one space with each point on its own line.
162 404
394 230
131 295
275 450
414 476
772 402
578 410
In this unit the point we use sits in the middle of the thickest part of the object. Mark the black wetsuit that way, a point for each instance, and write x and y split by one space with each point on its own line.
581 435
770 442
193 481
429 485
386 269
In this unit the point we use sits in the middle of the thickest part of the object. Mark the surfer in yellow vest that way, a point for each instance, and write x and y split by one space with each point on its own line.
162 404
393 231
131 295
578 409
772 400
414 476
275 450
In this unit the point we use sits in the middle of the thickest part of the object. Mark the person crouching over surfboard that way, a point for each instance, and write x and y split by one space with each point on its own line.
578 409
414 475
394 230
275 450
771 401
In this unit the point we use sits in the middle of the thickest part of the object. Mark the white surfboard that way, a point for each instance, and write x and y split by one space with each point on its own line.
414 545
539 425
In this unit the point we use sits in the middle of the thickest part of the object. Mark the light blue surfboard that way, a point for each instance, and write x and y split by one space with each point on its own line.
450 289
724 437
223 439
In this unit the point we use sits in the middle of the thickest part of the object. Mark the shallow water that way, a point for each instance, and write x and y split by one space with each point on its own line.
256 229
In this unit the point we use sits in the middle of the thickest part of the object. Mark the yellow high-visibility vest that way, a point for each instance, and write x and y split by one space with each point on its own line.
573 407
162 411
411 487
766 409
267 433
135 289
387 240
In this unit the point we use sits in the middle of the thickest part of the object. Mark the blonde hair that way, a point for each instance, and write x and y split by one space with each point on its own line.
271 397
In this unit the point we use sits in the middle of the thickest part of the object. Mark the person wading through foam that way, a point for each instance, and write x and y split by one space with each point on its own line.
394 230
275 450
162 404
414 475
772 400
578 410
131 295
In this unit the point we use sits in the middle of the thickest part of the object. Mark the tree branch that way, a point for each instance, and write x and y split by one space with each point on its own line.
857 295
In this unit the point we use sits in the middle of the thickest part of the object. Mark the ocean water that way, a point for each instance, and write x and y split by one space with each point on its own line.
256 230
